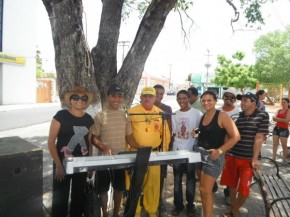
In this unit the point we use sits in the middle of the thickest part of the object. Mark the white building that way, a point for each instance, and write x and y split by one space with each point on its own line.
18 50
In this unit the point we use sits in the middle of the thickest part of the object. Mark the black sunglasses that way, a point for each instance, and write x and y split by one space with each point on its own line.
83 98
229 96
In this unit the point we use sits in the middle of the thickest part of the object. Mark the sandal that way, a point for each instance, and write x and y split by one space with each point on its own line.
227 214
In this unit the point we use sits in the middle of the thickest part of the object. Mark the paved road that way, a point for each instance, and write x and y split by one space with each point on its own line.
17 118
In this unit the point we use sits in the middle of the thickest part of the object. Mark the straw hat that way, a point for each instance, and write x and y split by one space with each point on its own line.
78 90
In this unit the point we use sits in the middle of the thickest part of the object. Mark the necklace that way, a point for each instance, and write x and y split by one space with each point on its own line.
148 119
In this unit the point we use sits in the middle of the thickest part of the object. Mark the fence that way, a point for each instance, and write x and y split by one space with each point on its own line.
275 91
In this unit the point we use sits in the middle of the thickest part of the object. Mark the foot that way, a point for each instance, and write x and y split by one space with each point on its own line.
191 212
227 214
176 211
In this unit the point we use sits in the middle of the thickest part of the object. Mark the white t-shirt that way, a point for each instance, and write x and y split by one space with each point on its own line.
232 112
182 125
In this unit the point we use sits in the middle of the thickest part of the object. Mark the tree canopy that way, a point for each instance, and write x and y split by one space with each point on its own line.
95 69
273 57
232 73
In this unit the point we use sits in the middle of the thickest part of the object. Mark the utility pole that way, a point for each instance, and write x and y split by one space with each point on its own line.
169 86
207 66
124 44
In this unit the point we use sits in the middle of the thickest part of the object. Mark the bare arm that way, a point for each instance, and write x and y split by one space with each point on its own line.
283 120
131 141
103 147
258 142
53 132
269 101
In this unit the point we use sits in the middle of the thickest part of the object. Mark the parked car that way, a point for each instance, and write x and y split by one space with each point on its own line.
170 92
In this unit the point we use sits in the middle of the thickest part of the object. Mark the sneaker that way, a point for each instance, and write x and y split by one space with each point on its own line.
191 212
176 211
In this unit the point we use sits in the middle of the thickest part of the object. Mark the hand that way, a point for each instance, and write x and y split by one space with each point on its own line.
59 173
255 164
107 150
90 174
214 153
194 132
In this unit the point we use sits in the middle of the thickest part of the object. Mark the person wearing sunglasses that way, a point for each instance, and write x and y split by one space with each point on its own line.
229 98
70 135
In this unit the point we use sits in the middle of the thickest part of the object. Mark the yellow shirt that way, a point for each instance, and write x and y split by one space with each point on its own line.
147 129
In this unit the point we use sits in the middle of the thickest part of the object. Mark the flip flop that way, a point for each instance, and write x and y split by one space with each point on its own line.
227 214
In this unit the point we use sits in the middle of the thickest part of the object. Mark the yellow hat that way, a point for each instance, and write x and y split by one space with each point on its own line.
148 91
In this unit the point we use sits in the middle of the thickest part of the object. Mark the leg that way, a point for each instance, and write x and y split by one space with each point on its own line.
60 195
275 146
119 185
283 141
206 185
102 183
190 188
117 202
77 194
152 190
237 201
178 197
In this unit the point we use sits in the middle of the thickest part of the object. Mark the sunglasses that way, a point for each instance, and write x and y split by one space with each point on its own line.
83 98
229 96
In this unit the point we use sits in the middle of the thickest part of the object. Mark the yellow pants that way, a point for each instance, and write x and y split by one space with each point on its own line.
151 192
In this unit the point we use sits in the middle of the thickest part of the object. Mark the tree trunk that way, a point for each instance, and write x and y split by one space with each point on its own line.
105 53
149 29
73 61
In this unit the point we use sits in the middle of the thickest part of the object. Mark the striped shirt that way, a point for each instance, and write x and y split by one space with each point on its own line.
112 126
249 126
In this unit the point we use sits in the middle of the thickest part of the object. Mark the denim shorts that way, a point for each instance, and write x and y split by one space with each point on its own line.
209 166
281 132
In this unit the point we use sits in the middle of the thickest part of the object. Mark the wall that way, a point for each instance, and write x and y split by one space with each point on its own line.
18 82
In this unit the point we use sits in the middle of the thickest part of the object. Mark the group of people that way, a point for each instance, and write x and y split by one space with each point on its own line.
229 140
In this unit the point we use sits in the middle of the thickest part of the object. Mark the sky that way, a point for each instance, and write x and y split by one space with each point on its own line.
210 34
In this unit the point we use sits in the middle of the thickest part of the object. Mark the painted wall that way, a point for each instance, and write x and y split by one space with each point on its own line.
18 81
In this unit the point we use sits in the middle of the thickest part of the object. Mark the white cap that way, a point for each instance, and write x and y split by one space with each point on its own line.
230 90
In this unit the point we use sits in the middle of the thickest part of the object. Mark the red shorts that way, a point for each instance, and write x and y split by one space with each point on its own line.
238 173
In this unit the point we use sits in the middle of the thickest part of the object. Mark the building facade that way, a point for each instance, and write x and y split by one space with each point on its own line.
18 51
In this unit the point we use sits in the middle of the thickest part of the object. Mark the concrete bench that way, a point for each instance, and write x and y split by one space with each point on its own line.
274 190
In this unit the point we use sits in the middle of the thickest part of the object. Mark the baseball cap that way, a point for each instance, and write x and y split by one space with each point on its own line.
148 91
230 90
114 89
249 95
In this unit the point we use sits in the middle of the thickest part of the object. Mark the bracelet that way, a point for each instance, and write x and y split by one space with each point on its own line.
220 151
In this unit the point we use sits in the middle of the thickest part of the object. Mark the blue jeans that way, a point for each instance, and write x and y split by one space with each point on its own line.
179 169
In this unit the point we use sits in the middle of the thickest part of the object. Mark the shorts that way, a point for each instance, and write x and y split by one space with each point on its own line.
238 173
104 178
281 132
209 166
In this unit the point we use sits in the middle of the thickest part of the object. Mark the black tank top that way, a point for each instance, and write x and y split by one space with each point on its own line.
211 136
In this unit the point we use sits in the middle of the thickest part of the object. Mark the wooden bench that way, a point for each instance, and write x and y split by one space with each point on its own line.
274 190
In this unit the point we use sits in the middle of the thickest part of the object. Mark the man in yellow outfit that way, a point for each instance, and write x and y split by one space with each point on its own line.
147 131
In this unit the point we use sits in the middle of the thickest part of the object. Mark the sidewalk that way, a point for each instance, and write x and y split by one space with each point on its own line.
4 108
